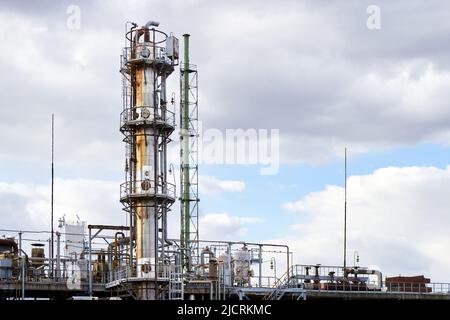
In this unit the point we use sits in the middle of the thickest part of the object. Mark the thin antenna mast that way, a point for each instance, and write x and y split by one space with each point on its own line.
345 208
53 178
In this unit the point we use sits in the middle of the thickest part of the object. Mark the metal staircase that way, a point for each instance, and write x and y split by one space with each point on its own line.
278 289
126 291
175 283
279 294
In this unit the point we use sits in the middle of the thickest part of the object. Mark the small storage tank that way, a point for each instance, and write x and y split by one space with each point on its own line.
8 245
226 268
8 251
100 268
37 255
6 266
37 260
242 270
213 269
83 267
205 257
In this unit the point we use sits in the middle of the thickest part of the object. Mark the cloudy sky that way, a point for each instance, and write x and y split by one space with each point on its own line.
312 69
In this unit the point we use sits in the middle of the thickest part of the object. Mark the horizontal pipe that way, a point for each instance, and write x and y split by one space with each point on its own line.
152 23
239 242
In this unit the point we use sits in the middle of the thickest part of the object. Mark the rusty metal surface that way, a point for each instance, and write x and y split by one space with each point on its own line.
411 279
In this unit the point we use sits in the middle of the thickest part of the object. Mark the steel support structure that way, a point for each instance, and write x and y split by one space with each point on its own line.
189 135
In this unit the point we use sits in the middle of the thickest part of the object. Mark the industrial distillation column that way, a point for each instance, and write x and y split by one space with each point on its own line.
147 60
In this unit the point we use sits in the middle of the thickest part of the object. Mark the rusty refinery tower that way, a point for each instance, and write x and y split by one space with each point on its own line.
147 121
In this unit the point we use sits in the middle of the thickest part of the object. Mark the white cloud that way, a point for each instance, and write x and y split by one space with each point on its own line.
222 226
388 90
27 206
210 185
329 93
397 219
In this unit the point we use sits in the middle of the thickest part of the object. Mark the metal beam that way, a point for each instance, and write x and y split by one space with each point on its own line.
107 227
90 263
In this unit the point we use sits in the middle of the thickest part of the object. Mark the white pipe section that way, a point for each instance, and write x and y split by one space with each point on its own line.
366 271
152 23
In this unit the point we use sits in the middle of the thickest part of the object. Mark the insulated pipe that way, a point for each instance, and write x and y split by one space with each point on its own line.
224 285
110 262
144 30
50 258
375 272
288 266
164 166
139 33
116 244
152 23
23 275
260 266
58 255
89 264
230 257
120 241
366 271
250 244
380 278
130 246
22 271
166 240
20 242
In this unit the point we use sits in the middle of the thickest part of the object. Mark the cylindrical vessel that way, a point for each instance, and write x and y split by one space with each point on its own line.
242 271
37 255
146 170
147 123
225 268
6 266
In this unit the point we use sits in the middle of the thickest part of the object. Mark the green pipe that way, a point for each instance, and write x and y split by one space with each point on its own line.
186 218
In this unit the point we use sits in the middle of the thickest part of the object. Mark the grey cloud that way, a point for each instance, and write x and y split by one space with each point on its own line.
397 219
302 67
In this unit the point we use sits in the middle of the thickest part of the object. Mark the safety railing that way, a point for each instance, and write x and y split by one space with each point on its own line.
340 286
392 287
146 187
281 283
311 271
145 53
418 287
266 281
147 114
147 271
330 278
121 274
